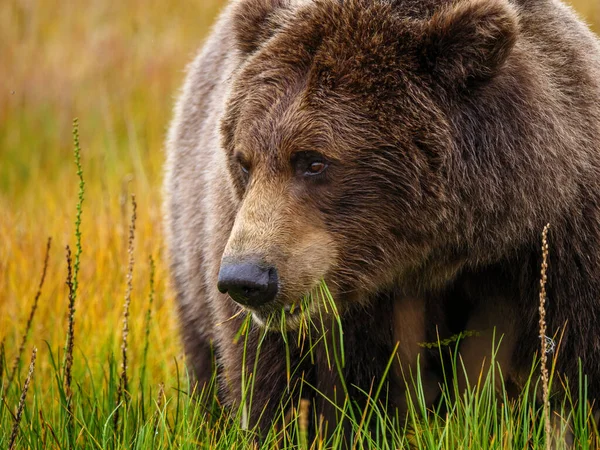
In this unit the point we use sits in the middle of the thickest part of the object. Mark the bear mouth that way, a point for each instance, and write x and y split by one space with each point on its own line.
292 309
288 317
298 313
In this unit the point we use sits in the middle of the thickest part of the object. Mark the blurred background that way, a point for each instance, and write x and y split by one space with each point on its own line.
117 66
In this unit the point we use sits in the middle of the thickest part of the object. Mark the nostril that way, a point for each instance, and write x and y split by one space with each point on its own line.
250 284
249 290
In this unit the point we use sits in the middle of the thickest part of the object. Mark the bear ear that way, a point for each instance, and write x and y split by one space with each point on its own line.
255 21
469 40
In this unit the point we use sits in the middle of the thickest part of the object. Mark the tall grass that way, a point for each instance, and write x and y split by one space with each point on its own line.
108 408
117 66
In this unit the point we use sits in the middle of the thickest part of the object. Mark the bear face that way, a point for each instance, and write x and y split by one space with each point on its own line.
333 131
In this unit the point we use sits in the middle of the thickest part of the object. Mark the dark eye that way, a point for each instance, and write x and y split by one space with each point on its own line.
244 165
316 168
309 163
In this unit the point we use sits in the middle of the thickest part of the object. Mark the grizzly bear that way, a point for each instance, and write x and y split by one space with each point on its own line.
408 153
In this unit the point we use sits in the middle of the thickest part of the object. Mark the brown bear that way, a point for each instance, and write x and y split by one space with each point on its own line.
409 154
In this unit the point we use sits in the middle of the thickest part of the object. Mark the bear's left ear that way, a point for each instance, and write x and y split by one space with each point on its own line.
469 40
255 21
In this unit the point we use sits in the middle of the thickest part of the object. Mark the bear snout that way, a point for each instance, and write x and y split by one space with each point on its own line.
248 283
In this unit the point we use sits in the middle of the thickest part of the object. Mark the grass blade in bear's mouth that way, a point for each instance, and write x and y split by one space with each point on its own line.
291 309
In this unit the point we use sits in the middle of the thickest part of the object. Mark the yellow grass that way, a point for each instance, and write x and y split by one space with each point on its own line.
589 11
115 65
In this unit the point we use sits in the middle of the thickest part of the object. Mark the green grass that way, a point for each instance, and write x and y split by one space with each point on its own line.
117 66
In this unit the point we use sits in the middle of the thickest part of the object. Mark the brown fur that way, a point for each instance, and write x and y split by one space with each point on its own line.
411 322
454 131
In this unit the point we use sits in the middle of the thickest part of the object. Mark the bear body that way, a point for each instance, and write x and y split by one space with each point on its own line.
408 153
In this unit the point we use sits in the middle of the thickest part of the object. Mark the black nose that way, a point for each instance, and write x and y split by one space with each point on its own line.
248 283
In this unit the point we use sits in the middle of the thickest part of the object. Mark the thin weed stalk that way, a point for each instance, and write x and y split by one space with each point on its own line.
544 343
68 367
73 266
2 366
130 249
81 193
159 402
2 359
15 429
147 331
17 361
123 388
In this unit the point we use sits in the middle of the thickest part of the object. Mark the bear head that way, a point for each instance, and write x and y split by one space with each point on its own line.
338 143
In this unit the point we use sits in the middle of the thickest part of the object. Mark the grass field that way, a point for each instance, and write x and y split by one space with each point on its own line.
116 65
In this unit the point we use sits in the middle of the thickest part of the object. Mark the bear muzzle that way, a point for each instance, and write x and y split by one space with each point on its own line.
248 283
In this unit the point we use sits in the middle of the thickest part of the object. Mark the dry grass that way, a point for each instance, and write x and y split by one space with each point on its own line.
21 406
116 66
17 362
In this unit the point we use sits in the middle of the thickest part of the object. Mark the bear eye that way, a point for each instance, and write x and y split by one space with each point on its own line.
309 163
244 165
316 168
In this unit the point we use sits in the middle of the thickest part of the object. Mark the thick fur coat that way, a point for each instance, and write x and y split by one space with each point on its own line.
451 132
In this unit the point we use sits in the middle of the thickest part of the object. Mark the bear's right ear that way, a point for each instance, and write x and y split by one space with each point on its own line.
469 40
255 21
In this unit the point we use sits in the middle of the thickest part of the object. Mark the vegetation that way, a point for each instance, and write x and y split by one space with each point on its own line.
73 373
